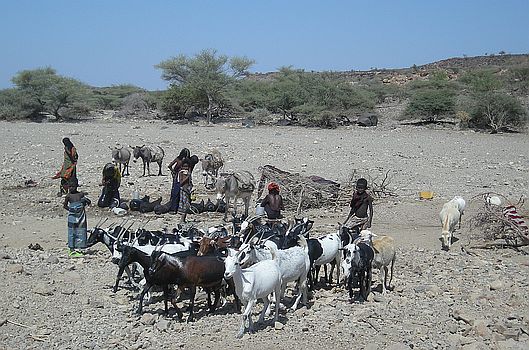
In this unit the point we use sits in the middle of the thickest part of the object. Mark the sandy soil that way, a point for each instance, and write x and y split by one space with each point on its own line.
68 302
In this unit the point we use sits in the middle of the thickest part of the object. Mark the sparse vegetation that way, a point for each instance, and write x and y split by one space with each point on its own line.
216 86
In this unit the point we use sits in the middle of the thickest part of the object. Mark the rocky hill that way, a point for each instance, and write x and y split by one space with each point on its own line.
453 67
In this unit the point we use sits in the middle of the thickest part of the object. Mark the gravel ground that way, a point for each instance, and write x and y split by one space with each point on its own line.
442 300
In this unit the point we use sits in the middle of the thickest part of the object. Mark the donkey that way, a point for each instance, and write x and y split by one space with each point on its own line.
211 165
148 155
121 156
235 185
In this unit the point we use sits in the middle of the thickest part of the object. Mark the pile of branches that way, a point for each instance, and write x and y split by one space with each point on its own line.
490 228
300 192
379 186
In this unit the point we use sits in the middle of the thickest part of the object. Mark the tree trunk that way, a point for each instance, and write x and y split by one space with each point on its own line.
210 107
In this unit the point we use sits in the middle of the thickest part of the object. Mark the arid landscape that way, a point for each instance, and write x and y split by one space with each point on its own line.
440 300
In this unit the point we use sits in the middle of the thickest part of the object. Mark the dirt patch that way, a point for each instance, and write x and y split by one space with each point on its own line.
440 300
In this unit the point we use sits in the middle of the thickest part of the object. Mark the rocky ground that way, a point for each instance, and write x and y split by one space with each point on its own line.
442 300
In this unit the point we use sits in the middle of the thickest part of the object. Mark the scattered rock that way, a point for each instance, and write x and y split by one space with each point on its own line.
4 255
496 285
52 259
96 303
35 246
278 326
43 289
15 268
379 298
148 319
398 346
162 325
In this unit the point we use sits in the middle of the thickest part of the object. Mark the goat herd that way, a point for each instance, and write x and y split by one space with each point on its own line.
256 260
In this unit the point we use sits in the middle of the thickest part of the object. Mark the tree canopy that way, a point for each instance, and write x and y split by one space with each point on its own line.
204 78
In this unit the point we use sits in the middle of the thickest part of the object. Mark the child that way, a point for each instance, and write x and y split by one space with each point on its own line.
75 203
361 207
273 202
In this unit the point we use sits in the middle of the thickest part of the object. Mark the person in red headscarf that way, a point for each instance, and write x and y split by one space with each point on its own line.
273 202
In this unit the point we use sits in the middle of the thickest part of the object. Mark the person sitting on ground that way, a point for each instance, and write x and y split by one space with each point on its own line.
110 182
361 213
273 202
175 167
69 166
75 202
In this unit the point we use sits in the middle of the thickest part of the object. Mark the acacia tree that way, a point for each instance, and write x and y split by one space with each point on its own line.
49 92
206 74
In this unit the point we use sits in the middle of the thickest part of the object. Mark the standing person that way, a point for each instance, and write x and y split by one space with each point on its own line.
184 179
175 167
69 166
110 182
75 202
361 205
273 202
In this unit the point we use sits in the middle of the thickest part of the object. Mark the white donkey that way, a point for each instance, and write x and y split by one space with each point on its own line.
233 186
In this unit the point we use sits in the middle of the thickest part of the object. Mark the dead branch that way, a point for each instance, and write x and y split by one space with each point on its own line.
491 228
17 324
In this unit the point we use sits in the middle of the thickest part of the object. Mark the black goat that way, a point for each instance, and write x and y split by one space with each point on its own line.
357 267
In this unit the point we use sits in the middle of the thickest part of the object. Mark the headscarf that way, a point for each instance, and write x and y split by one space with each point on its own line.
67 143
184 153
272 186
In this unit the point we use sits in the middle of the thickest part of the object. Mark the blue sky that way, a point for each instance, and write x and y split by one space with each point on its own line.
106 42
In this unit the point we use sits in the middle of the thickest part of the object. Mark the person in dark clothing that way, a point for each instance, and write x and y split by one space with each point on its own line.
361 212
69 166
273 202
175 167
110 182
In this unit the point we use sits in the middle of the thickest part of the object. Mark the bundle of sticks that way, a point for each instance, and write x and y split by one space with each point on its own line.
499 225
300 192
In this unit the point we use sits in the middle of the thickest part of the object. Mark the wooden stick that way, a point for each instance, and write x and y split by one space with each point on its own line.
18 324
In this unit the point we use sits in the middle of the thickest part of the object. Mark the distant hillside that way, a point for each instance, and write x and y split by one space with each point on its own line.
453 66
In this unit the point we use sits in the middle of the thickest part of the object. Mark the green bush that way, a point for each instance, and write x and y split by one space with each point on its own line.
431 104
496 111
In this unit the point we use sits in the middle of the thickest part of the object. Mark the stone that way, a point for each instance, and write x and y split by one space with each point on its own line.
52 260
15 268
4 255
397 346
148 319
475 346
278 326
95 303
379 298
481 329
162 325
496 285
459 315
43 289
511 344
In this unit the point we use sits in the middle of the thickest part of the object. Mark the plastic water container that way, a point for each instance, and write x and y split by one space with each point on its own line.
260 211
135 194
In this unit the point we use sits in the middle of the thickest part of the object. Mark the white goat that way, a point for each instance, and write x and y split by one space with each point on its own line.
385 255
461 205
256 282
293 262
330 252
449 216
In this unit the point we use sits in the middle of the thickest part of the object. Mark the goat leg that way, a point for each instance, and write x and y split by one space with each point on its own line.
216 302
142 295
192 305
118 277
